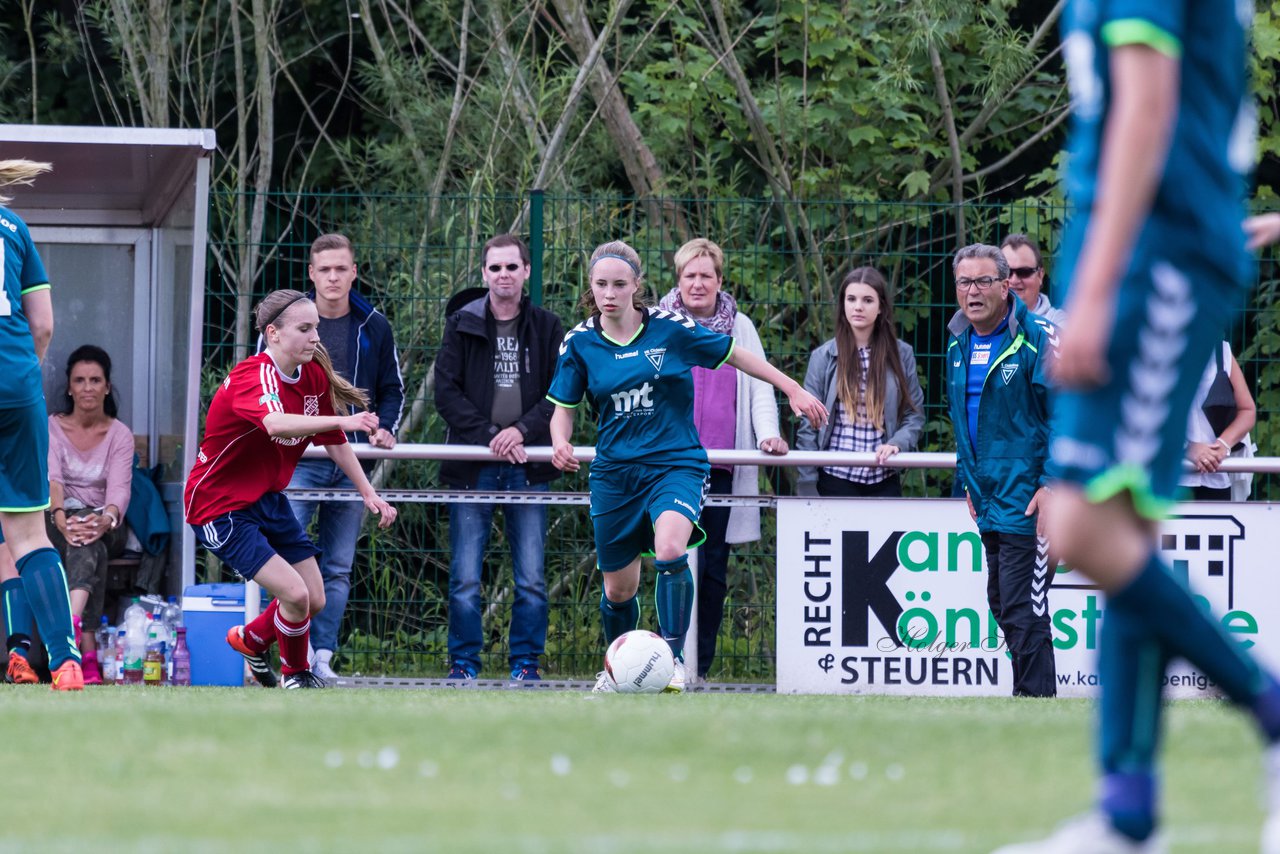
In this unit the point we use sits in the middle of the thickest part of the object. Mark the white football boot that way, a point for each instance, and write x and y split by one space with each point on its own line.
604 684
676 685
1091 833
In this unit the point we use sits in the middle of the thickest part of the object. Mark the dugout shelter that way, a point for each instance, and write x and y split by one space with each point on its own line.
121 224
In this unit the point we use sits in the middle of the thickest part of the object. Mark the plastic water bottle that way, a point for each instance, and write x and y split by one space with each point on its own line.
119 643
181 659
135 613
135 650
171 614
105 636
153 661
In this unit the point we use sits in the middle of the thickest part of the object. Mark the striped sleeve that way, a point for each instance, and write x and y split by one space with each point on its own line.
255 390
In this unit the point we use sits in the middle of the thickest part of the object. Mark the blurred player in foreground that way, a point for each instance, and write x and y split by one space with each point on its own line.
1156 259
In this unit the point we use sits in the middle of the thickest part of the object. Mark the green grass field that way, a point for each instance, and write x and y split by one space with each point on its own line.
209 769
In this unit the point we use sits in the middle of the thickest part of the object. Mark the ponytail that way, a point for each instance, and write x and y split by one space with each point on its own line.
19 172
341 393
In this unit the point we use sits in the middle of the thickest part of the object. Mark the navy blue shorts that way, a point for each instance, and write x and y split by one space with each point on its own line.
247 538
24 458
626 501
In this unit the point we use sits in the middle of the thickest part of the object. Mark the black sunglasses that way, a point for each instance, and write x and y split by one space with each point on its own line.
498 268
1023 272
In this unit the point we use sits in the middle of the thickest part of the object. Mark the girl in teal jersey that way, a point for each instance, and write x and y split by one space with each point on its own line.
26 326
649 477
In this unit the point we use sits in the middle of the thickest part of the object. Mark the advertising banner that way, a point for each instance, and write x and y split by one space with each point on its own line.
889 597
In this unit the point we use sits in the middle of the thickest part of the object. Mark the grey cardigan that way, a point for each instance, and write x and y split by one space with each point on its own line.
903 429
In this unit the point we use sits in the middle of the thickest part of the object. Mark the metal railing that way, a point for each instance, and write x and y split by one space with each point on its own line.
587 644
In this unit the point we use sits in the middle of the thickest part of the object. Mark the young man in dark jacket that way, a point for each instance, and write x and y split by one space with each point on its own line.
998 393
492 375
359 342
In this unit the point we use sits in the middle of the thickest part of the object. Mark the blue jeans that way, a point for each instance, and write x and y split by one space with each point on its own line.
337 532
469 528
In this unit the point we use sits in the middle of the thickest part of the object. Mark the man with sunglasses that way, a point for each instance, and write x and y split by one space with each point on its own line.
998 394
360 345
493 372
1026 277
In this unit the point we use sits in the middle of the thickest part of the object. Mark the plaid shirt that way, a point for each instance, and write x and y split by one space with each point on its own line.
857 434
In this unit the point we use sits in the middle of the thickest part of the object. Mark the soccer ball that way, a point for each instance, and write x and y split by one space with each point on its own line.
639 662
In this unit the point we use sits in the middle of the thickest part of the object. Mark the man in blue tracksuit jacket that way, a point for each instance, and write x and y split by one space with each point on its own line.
998 393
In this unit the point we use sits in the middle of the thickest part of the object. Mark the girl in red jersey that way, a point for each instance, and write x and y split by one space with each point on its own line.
269 408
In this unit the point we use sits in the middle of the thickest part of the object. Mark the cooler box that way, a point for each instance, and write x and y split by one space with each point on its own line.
208 611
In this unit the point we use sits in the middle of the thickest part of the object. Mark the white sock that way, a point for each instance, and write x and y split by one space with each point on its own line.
323 656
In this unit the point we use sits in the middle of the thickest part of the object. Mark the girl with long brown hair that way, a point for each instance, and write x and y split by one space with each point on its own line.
867 378
263 416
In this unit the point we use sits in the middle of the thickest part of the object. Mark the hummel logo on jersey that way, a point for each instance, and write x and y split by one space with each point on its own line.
655 356
270 397
630 355
311 404
626 401
1007 372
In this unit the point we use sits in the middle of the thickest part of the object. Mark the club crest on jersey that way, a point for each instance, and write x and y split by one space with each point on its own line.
269 397
1007 372
655 356
311 404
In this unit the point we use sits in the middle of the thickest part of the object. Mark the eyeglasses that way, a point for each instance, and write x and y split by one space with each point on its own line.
1023 272
983 284
498 268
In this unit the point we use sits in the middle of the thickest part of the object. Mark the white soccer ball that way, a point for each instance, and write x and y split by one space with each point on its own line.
640 662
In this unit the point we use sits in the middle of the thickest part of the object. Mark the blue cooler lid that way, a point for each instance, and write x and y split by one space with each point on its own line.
216 591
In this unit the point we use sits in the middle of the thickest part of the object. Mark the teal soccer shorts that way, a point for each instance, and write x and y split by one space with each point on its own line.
626 501
1128 435
24 458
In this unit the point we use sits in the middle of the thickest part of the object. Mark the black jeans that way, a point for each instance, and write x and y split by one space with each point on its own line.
713 572
830 486
1018 581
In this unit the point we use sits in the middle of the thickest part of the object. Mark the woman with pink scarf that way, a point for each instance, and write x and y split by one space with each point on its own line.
731 411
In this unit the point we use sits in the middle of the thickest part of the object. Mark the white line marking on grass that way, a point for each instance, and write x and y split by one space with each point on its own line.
388 758
765 842
561 765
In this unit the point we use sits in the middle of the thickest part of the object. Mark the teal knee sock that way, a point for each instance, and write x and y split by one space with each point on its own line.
1167 612
618 618
17 617
1131 667
674 597
45 584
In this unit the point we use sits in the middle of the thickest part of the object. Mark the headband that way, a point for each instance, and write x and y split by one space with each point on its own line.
282 310
627 261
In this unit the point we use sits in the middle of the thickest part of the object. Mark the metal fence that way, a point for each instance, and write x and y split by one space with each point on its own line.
783 262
